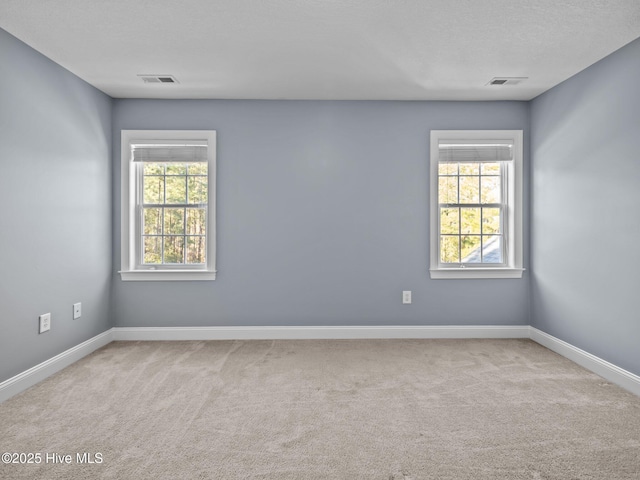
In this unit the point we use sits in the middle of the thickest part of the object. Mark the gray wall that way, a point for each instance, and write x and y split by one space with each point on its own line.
585 236
322 216
322 212
55 192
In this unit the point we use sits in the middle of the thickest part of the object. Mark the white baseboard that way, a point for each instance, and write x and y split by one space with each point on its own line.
609 371
28 378
318 332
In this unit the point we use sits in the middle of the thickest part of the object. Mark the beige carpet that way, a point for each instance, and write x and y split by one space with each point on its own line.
327 409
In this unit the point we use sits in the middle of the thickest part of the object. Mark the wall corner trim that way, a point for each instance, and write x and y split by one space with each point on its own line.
36 374
608 371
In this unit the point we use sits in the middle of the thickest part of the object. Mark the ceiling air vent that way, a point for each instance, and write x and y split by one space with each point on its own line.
506 80
158 78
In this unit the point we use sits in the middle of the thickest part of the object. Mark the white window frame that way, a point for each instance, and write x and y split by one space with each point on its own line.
513 266
131 270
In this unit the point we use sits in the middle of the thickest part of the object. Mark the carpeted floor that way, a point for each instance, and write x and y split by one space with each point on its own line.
324 409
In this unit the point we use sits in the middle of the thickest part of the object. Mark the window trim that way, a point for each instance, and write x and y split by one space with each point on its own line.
129 270
514 237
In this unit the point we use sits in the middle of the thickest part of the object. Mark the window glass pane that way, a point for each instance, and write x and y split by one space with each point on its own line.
448 189
176 190
176 169
450 221
471 249
197 189
152 250
196 249
469 189
469 169
490 168
449 249
154 169
197 168
470 220
152 221
153 189
490 190
490 220
445 168
173 249
174 221
492 249
196 221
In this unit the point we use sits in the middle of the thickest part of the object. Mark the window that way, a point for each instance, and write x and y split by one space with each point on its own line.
168 205
476 204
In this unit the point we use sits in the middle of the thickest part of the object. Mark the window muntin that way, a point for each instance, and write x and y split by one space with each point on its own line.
172 214
476 206
471 213
168 205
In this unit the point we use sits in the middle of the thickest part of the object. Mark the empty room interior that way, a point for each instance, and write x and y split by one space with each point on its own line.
316 239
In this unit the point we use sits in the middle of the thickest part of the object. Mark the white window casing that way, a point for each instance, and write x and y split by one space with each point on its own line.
165 147
465 148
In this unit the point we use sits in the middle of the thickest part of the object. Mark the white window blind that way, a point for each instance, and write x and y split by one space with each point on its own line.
475 151
193 151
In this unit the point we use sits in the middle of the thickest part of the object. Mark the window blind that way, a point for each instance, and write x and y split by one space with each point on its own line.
476 151
192 151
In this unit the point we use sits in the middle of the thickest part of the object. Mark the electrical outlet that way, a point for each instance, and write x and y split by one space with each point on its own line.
45 322
406 297
77 310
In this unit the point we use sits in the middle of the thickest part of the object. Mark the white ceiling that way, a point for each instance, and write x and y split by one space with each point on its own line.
324 49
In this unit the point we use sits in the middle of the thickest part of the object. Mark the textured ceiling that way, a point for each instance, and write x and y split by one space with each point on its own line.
324 49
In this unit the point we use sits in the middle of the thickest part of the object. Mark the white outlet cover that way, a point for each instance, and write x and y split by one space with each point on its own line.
45 323
77 310
406 297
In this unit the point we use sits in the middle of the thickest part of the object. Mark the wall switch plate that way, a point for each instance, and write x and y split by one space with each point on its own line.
406 297
45 323
77 310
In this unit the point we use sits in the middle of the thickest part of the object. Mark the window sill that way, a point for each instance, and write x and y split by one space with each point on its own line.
166 275
473 273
